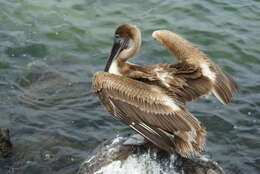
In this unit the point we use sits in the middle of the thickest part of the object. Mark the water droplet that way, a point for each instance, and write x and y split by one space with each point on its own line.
57 33
249 113
47 156
28 162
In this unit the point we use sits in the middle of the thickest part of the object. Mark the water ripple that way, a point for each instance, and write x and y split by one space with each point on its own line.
49 51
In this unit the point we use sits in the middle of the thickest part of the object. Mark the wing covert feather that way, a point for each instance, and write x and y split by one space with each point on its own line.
147 97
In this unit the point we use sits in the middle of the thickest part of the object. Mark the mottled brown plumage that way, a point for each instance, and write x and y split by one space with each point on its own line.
145 108
151 99
220 83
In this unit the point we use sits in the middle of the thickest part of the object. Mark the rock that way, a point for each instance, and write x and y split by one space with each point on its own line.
113 157
5 143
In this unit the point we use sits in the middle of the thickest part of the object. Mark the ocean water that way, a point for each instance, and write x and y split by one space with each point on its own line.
49 50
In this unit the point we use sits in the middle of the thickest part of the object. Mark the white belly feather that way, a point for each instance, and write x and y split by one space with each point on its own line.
114 68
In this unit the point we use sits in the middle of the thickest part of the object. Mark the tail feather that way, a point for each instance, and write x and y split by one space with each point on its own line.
188 148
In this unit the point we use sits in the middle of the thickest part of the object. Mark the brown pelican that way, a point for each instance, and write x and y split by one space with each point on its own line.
151 99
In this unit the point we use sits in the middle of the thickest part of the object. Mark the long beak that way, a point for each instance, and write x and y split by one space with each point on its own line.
116 49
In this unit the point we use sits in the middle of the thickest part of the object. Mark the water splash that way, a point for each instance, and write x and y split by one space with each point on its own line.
143 164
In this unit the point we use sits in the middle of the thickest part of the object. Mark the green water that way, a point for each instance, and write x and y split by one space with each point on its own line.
49 50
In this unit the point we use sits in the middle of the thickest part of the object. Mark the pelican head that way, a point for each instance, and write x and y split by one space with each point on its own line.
122 50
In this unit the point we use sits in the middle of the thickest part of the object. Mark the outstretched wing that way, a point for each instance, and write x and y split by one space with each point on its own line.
223 86
148 110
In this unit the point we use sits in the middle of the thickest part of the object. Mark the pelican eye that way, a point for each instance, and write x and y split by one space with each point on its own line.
118 38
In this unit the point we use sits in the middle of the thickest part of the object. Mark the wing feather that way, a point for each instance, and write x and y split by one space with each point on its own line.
221 84
224 87
149 111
